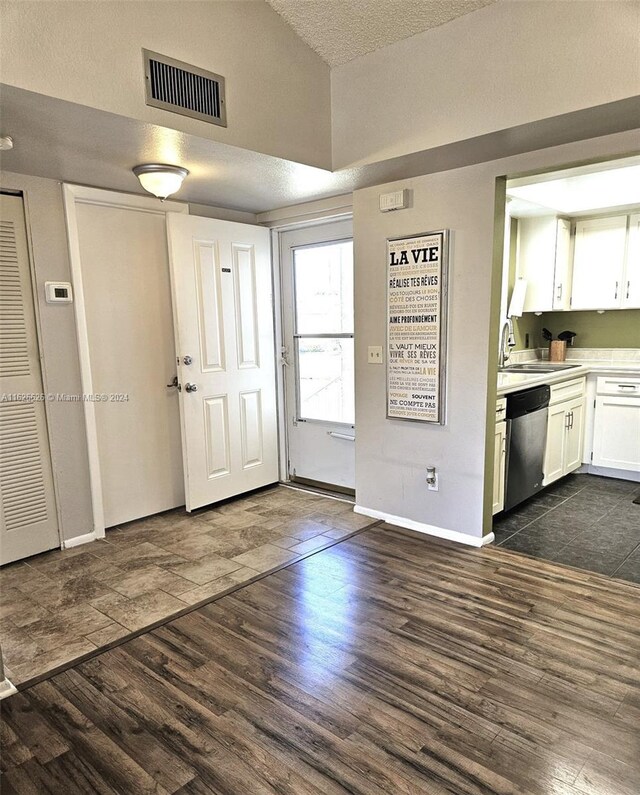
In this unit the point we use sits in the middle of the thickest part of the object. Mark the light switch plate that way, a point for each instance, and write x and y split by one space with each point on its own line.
374 354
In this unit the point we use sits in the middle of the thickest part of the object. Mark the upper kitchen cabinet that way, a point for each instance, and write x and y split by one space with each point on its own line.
544 260
599 273
631 295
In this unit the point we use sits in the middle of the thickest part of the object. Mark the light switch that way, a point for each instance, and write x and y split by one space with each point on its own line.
375 354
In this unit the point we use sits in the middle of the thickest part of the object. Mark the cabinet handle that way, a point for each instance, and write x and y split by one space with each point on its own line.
559 296
616 295
628 286
571 414
630 387
566 421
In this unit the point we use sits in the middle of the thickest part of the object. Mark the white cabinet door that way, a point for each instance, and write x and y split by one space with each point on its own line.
574 435
536 261
598 263
222 291
562 272
616 436
556 438
499 456
631 292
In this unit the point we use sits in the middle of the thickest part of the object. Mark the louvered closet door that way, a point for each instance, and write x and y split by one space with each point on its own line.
28 522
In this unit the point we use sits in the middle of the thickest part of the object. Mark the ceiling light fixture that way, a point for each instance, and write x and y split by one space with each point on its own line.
6 143
159 179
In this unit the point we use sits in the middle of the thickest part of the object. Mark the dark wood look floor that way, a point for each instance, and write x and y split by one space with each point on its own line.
387 664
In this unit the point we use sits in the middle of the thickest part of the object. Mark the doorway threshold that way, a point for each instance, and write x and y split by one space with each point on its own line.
324 489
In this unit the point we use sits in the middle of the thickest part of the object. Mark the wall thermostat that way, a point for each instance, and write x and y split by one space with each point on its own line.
58 292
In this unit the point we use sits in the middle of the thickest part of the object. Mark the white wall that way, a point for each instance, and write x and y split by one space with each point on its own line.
391 455
507 64
278 89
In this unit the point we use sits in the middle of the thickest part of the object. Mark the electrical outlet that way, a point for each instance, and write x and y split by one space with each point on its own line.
374 354
433 486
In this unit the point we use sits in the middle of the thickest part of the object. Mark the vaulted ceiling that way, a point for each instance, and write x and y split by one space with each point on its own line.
341 30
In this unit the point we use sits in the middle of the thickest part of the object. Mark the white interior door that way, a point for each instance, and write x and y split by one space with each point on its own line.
223 319
129 324
28 521
317 292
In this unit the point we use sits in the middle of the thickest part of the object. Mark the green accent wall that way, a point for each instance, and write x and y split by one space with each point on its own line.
615 328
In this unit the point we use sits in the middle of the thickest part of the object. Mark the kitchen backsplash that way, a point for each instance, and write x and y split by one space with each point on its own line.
617 328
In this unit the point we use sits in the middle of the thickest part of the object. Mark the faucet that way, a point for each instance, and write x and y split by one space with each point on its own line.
505 344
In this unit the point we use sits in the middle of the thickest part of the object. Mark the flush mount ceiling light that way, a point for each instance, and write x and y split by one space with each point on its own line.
159 179
6 143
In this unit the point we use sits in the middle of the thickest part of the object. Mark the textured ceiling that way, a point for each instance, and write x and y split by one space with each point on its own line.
341 30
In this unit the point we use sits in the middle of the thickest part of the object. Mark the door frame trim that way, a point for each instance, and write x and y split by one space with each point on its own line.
80 194
277 231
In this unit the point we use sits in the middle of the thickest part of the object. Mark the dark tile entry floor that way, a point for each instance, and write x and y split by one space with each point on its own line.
583 521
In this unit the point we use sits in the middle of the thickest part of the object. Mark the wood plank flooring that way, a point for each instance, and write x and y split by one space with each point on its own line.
388 663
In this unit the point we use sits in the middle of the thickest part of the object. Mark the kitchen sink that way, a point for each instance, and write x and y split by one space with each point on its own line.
536 367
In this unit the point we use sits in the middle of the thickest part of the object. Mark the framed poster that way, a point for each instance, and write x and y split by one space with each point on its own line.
416 326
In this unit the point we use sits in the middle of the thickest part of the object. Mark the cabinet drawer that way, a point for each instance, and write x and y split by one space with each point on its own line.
618 385
567 390
501 409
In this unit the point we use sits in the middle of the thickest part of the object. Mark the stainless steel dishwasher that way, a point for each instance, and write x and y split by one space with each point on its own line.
526 440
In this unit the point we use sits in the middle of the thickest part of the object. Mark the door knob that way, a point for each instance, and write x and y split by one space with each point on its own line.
190 388
187 360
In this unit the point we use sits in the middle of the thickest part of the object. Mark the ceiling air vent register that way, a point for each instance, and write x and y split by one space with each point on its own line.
181 88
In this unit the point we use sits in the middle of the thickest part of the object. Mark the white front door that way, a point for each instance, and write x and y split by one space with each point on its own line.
317 290
223 321
28 520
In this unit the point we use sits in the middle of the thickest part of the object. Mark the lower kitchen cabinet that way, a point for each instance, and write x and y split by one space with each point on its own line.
565 433
499 459
616 432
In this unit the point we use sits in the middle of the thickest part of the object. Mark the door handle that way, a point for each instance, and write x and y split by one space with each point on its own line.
187 360
190 387
174 382
345 436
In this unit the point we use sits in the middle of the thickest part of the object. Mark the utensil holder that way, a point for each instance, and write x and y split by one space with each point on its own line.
557 350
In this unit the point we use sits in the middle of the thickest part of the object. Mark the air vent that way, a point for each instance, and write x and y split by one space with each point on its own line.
181 88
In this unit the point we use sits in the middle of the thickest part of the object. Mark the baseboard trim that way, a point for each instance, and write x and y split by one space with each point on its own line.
69 543
7 689
427 529
609 472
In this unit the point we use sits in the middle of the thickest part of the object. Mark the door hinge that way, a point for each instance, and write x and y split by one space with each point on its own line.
594 404
591 457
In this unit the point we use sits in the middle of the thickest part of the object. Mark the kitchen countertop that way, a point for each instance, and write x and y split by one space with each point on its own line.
512 382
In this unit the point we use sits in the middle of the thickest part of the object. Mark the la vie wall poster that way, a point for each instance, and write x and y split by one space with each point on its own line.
417 269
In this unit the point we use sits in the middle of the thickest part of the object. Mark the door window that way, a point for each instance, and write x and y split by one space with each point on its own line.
323 313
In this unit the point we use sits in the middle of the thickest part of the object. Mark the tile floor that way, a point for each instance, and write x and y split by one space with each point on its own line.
583 521
62 605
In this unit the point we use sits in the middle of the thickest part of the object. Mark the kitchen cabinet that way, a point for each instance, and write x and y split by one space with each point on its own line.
631 294
599 263
565 430
499 456
616 433
544 260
